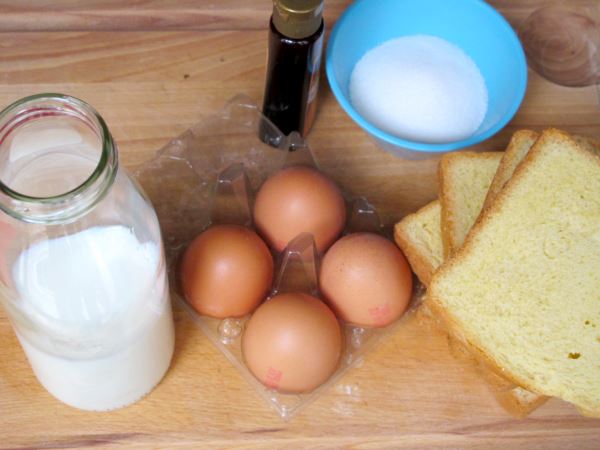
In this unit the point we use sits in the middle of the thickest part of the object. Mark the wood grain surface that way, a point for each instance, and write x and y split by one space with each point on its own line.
150 84
148 15
153 15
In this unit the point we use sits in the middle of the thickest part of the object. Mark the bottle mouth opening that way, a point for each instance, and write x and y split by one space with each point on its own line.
46 137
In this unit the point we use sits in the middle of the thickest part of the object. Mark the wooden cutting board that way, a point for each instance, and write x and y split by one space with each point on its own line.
151 83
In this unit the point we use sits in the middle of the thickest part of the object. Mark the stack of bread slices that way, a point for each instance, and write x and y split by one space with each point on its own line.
510 255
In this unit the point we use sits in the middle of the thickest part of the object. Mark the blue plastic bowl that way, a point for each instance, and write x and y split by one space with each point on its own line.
474 26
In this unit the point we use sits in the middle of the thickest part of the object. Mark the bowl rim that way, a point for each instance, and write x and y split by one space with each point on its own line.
520 64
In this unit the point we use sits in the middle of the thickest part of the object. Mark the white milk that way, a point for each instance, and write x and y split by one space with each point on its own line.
98 291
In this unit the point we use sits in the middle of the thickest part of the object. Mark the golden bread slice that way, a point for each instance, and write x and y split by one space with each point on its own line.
423 249
587 143
524 290
464 180
420 238
517 401
518 147
520 143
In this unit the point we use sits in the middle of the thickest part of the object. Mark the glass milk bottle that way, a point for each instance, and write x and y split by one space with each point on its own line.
82 266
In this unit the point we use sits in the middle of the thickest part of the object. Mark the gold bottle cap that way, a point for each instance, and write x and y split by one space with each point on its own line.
297 19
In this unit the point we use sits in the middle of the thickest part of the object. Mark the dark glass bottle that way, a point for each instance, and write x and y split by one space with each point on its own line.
293 69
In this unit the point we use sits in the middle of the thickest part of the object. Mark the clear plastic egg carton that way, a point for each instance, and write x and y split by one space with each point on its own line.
209 175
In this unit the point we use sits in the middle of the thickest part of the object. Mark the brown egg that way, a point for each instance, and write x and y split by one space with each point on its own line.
299 199
366 280
292 343
226 271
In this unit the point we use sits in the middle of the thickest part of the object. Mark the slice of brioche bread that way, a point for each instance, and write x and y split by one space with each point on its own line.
518 147
419 236
589 144
464 179
524 290
466 202
517 401
520 143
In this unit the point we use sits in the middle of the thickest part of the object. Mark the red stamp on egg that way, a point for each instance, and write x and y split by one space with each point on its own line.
380 313
273 377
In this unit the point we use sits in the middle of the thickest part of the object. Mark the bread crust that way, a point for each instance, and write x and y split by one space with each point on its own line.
447 196
518 147
504 391
455 333
507 394
423 267
433 301
595 414
512 157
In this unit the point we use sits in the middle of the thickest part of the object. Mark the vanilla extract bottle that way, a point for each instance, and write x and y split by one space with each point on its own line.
293 68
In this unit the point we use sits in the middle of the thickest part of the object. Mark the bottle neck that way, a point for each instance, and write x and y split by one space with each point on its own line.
57 159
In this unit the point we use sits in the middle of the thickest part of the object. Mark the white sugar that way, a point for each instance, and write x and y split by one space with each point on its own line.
421 88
